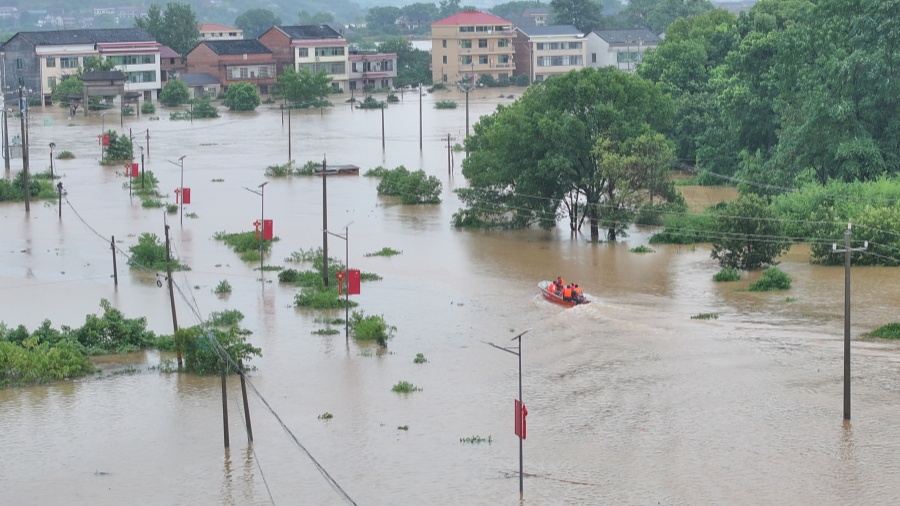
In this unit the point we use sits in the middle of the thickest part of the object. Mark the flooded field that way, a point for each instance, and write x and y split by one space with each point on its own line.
630 400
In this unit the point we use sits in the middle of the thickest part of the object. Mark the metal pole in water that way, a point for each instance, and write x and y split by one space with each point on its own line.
246 406
224 405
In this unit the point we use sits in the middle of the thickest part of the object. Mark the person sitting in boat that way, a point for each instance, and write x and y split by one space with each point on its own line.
553 288
567 293
577 295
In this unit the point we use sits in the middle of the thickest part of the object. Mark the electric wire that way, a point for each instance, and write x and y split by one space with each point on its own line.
253 449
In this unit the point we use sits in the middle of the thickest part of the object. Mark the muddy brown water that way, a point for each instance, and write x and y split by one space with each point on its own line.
630 400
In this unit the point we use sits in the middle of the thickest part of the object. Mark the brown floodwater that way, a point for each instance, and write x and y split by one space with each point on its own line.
630 400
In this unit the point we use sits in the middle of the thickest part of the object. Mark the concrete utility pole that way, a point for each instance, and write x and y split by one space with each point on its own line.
23 115
325 222
171 290
846 251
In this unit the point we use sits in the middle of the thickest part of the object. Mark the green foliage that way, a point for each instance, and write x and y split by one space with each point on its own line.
176 27
772 279
371 103
148 108
203 109
113 333
445 104
371 328
175 93
304 89
705 316
242 96
326 332
255 22
476 440
391 98
685 229
641 249
69 85
727 274
227 318
224 287
41 362
748 235
411 187
65 155
14 190
405 387
171 208
384 252
245 244
119 150
202 349
582 14
317 297
149 253
288 169
889 331
420 358
437 87
656 15
325 416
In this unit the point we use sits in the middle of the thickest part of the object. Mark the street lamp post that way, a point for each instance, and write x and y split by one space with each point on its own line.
346 238
180 163
262 212
466 85
52 145
518 353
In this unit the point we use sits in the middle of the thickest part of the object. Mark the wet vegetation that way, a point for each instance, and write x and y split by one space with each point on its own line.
371 328
476 440
420 358
325 416
705 316
728 274
150 253
772 279
224 287
412 187
384 252
405 387
119 150
641 249
14 191
288 169
245 244
889 331
65 155
445 104
370 103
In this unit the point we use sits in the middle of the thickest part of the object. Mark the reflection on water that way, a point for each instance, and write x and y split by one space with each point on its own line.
630 400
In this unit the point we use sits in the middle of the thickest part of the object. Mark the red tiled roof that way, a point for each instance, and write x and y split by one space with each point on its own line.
472 18
168 52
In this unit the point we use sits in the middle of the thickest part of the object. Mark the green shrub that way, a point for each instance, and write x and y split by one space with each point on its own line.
242 96
889 331
288 169
445 104
245 244
412 187
202 356
203 109
705 316
772 279
119 150
175 93
227 318
370 103
320 298
65 155
641 249
148 108
384 252
40 363
171 208
371 328
685 229
405 387
149 253
727 274
112 332
420 358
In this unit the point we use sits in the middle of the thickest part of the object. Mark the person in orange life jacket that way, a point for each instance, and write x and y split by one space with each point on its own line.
552 287
577 294
567 292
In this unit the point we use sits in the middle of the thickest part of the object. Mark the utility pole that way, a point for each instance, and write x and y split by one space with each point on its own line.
171 291
23 115
383 105
224 400
289 136
449 170
420 117
325 221
5 135
246 405
112 246
59 187
846 251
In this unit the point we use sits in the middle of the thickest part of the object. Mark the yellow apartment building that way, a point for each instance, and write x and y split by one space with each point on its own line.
471 44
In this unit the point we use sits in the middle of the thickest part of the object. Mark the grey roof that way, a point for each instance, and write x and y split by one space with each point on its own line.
310 32
630 36
198 79
521 21
103 75
540 31
536 11
88 36
246 46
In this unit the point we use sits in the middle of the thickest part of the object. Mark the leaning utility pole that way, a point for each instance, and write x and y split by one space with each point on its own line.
171 291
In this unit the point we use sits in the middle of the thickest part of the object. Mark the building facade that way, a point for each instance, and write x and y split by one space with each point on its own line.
38 61
544 51
623 49
312 47
471 43
233 61
377 70
212 31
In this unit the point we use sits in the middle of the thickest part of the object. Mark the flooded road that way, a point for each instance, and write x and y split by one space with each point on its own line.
630 400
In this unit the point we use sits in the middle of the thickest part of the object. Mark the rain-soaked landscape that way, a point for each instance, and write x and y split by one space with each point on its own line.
630 400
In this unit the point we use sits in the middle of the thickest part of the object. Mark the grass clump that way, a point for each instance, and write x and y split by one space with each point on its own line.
227 318
326 332
641 249
727 274
371 328
65 155
405 387
223 287
476 440
288 169
384 252
420 358
171 208
889 331
325 416
245 244
320 298
772 279
149 253
403 427
445 104
705 316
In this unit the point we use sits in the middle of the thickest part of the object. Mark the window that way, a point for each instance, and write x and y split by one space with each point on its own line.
503 58
51 82
483 28
147 76
20 63
68 63
503 43
444 43
482 43
264 71
243 72
539 46
483 59
465 60
466 29
51 62
445 58
329 51
593 57
304 52
574 45
466 43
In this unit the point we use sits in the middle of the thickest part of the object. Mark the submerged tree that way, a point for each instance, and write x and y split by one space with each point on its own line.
304 89
586 142
748 234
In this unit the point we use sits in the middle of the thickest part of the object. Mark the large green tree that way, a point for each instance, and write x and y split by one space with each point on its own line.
314 18
748 234
582 14
657 15
304 89
255 22
515 8
176 27
242 96
566 145
413 65
381 18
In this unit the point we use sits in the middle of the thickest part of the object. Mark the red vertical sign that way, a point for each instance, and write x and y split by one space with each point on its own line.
135 170
186 197
267 230
353 282
521 413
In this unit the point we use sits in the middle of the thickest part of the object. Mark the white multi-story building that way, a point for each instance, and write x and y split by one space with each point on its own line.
623 49
544 51
313 47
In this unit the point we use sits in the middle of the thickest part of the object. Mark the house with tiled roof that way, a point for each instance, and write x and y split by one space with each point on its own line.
170 65
471 43
316 48
234 61
623 49
544 51
371 68
213 31
40 60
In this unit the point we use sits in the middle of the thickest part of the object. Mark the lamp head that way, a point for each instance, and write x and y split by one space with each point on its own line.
52 145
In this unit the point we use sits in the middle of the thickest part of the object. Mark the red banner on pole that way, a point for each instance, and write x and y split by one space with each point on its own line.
521 413
268 233
135 170
353 282
186 196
